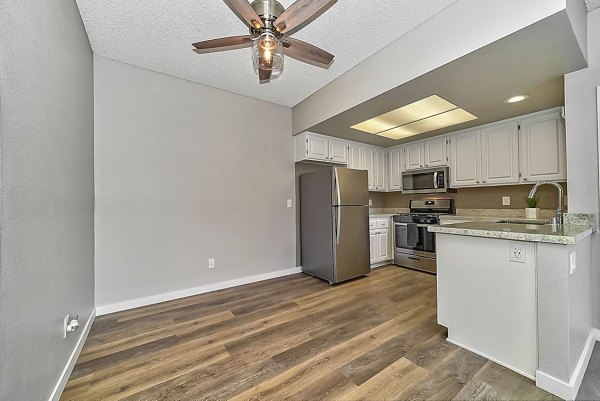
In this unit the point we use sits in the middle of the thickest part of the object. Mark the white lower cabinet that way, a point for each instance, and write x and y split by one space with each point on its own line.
380 240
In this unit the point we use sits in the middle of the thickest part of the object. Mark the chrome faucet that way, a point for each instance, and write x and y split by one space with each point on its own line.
559 211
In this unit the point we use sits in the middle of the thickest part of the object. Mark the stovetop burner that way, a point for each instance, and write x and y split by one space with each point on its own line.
426 211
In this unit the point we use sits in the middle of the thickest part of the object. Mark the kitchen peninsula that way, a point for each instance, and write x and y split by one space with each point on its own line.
513 292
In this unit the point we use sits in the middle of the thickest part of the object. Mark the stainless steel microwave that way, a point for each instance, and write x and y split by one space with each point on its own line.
426 181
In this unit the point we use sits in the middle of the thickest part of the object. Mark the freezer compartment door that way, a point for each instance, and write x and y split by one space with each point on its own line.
351 242
351 187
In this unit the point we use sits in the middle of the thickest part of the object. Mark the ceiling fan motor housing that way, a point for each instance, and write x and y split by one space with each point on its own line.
268 10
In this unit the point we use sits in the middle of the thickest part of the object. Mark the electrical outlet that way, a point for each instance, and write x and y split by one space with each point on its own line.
506 201
572 262
65 324
516 252
211 263
370 202
289 203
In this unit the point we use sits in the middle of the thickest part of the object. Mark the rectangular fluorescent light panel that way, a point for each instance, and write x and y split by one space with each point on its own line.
416 118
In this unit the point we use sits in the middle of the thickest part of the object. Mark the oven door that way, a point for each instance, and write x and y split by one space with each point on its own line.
425 245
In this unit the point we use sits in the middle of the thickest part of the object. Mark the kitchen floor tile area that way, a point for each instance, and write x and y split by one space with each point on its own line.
291 338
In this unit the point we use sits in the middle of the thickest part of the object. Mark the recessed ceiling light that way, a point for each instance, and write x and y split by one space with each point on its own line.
515 99
422 116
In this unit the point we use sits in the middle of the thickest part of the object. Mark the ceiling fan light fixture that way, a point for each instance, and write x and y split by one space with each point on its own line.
267 54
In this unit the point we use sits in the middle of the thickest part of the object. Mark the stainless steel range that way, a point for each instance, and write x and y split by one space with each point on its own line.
415 246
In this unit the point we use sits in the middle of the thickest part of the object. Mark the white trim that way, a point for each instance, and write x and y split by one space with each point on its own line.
529 376
381 264
64 377
568 391
169 296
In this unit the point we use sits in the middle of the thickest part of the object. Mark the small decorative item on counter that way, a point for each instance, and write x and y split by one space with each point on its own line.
532 211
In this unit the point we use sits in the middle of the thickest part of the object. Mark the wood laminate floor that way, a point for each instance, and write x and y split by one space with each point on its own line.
291 338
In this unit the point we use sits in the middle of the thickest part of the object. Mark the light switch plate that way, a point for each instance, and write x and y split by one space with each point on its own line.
289 203
506 201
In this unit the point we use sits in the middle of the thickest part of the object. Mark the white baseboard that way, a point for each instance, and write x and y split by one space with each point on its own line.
529 376
568 391
381 264
169 296
64 377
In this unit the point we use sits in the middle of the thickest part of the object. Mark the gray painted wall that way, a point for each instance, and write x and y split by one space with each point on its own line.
564 307
185 172
47 195
582 143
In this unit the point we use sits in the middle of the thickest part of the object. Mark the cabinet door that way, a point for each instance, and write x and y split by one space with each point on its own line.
318 147
338 151
414 156
436 152
465 159
367 156
382 246
355 157
373 247
396 157
500 154
543 149
379 169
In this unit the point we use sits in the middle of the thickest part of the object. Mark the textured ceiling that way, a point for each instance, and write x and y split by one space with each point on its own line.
592 4
157 35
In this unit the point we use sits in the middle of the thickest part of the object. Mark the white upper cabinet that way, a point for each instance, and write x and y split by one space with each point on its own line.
542 148
396 159
355 158
367 157
380 170
465 159
435 151
415 156
500 154
338 151
316 147
424 154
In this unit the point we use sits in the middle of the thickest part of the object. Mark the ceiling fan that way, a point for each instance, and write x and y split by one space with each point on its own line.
270 24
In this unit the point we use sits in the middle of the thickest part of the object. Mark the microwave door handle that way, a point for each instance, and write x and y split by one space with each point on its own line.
435 180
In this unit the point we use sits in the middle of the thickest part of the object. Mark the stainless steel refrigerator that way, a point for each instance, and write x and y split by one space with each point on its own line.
334 222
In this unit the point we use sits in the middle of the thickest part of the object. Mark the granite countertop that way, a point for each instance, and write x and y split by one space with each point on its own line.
562 234
381 216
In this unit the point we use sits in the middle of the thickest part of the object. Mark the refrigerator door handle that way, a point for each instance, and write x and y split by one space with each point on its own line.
338 225
337 187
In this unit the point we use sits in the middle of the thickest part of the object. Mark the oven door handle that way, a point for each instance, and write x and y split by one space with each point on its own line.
418 225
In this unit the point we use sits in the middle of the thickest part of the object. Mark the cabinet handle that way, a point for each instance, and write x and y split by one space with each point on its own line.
484 182
477 182
524 179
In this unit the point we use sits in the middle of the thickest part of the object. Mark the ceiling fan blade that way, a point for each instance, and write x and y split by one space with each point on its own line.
222 44
307 53
300 13
264 76
245 12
